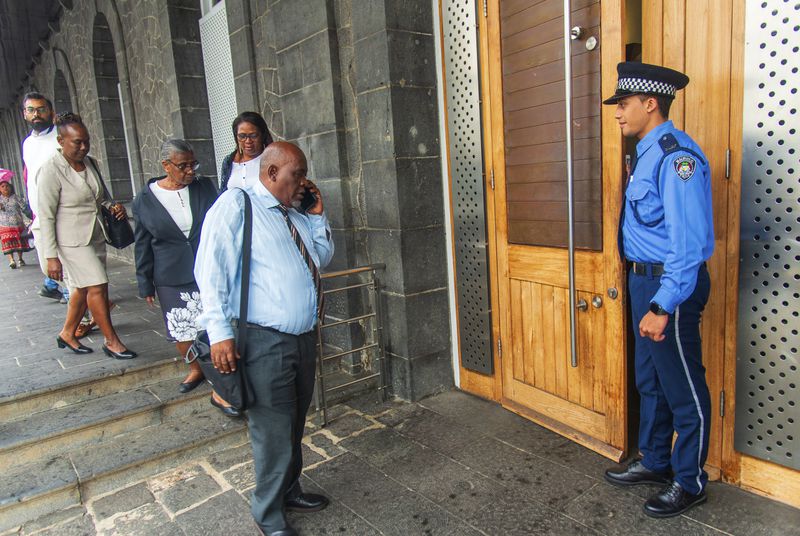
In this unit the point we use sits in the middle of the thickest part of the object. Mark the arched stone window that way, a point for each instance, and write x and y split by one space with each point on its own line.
61 97
112 136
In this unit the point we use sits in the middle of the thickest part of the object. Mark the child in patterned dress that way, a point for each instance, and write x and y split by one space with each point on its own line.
12 221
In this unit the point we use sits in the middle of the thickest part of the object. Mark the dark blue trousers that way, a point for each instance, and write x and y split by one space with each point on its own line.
671 380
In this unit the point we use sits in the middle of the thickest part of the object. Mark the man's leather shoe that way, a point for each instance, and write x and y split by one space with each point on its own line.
286 531
228 411
636 474
307 502
672 501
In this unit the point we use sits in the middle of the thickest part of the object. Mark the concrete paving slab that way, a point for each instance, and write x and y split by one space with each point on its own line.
530 475
226 514
390 506
519 517
739 512
611 510
126 499
189 492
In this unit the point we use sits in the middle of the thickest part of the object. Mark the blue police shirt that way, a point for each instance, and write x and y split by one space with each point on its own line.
668 213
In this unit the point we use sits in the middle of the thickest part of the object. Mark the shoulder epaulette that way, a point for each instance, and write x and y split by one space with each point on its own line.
668 143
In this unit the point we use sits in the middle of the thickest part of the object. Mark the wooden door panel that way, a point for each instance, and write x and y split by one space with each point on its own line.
541 344
528 140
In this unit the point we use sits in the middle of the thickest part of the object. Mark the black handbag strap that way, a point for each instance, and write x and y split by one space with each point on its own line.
100 178
244 298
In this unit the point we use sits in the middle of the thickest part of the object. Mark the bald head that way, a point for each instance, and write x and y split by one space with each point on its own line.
283 171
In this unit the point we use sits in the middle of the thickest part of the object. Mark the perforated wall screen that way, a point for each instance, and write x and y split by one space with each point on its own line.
219 79
462 87
767 413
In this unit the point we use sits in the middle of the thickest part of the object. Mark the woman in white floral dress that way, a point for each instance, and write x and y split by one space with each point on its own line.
169 217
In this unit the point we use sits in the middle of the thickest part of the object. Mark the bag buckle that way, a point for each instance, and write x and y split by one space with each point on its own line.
191 352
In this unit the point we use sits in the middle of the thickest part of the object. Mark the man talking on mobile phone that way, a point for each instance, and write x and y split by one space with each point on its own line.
288 250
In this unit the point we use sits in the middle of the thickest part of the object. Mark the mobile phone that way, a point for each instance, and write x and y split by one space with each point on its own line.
308 200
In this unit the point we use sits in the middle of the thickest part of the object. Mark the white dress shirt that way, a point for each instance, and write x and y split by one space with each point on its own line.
245 174
282 294
177 204
37 149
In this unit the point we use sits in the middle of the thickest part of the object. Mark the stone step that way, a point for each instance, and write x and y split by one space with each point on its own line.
44 434
31 490
113 379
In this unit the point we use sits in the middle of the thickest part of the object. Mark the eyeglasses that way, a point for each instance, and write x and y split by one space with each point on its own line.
41 110
184 166
251 137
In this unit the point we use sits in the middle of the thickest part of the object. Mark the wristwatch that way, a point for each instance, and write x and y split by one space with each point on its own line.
657 309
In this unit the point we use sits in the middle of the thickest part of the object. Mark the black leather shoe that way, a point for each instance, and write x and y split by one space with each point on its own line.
636 474
307 502
672 501
228 411
185 387
80 349
286 531
126 354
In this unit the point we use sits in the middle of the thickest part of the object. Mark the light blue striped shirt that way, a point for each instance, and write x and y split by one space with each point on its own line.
282 292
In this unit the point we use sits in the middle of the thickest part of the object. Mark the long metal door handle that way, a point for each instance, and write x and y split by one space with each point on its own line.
570 179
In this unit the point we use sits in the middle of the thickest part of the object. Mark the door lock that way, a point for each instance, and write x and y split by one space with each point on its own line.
582 305
613 293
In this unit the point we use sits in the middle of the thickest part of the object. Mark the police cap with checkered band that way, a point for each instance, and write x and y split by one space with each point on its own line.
635 78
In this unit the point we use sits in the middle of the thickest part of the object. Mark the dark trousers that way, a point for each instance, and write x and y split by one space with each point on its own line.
280 371
671 380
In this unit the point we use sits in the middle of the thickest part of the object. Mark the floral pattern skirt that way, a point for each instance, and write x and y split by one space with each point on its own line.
12 240
181 307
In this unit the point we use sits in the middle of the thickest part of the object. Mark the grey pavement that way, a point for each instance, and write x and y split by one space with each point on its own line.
451 464
29 323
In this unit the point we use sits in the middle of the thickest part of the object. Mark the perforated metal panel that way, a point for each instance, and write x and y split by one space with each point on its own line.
219 79
767 378
466 170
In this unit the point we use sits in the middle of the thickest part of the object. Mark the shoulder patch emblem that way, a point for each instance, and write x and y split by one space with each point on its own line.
685 166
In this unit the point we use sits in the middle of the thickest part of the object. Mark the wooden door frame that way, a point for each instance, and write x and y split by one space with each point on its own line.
490 60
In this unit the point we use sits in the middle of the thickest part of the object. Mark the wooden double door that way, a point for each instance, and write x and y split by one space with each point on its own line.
585 398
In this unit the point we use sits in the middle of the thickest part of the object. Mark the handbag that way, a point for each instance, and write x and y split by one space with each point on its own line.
231 387
119 233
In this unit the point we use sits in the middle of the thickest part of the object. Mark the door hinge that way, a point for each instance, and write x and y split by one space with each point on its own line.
727 163
722 403
499 348
491 178
485 8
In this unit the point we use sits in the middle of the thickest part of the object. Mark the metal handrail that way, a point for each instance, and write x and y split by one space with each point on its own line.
353 271
377 334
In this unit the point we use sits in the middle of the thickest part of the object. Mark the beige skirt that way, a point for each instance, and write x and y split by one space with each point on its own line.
85 266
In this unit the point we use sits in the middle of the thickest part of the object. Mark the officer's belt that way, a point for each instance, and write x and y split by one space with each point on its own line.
640 268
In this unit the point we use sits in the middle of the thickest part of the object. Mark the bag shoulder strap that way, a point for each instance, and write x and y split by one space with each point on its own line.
100 178
244 297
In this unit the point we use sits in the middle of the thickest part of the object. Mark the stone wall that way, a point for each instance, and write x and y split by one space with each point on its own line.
155 55
352 82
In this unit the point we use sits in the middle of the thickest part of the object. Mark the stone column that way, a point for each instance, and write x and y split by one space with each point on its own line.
185 76
401 173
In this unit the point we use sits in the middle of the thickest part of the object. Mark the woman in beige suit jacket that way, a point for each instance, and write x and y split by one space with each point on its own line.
72 235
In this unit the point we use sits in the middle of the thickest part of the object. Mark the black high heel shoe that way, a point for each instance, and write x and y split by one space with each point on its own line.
81 349
127 354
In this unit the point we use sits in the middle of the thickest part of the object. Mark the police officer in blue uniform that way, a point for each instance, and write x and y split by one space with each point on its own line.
666 235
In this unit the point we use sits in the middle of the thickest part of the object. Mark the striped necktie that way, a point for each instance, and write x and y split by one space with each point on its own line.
298 240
